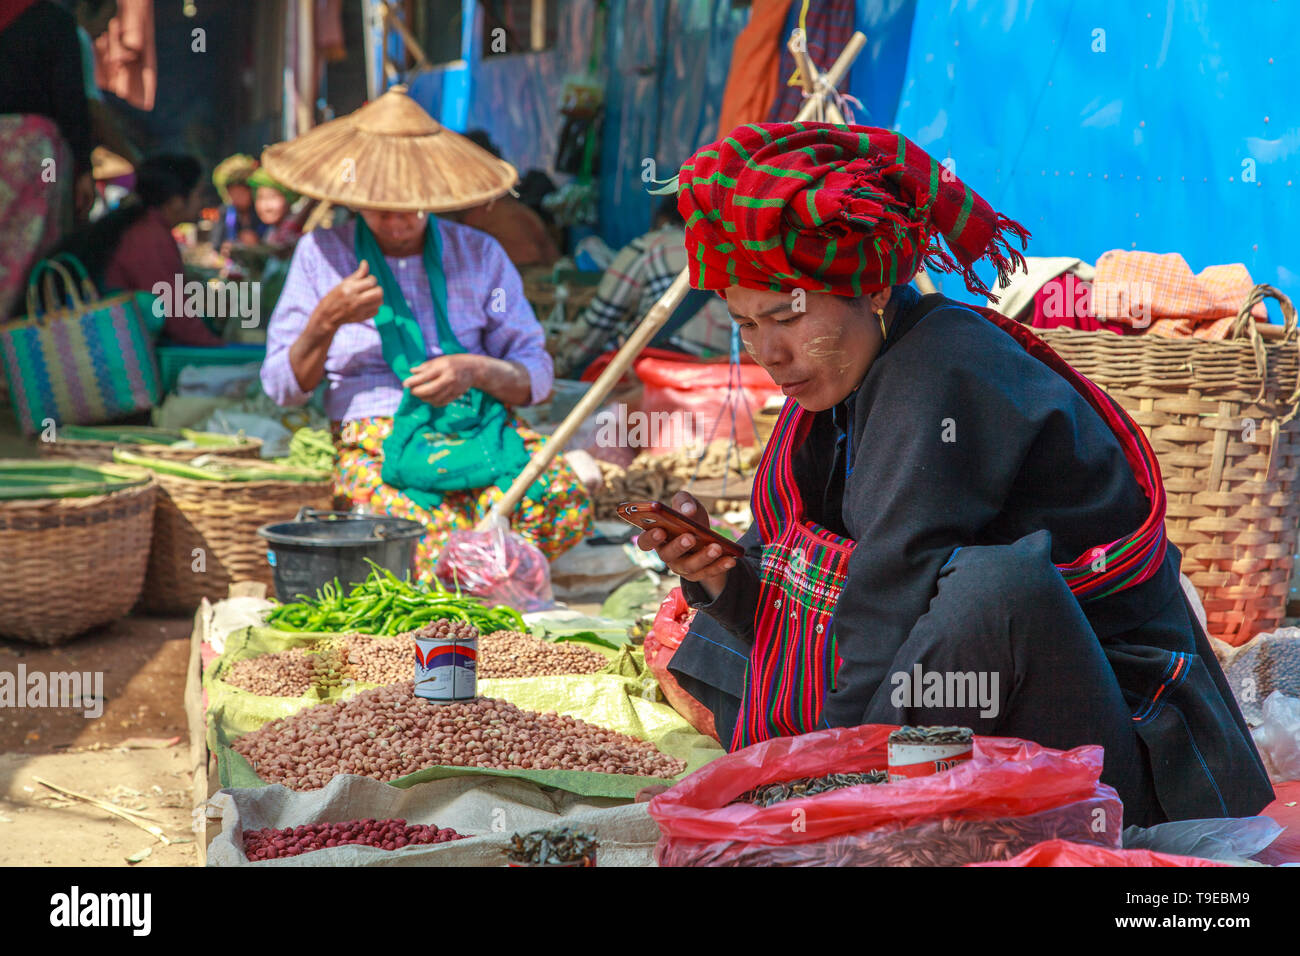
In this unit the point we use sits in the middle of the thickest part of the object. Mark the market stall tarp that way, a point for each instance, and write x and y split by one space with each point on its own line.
488 811
625 701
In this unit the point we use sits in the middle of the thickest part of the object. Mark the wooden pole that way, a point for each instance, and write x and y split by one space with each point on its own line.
812 78
408 38
306 67
651 324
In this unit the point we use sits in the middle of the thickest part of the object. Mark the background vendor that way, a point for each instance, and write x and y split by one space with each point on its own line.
465 302
237 221
132 248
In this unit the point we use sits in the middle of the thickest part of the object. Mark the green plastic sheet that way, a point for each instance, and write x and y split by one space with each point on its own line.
624 697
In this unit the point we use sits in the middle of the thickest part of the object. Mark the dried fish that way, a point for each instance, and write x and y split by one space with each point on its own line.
559 847
768 794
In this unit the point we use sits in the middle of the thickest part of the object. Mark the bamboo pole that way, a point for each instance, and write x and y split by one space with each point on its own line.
811 78
408 38
650 325
305 86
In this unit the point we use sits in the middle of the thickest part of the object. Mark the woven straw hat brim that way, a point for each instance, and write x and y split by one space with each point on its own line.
390 155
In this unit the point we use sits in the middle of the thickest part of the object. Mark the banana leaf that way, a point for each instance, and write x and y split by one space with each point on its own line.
209 468
25 480
119 434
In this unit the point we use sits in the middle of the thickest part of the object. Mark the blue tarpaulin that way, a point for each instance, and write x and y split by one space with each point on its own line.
1165 127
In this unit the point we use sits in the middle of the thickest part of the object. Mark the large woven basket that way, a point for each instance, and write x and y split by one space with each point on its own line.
205 536
70 564
68 448
1221 417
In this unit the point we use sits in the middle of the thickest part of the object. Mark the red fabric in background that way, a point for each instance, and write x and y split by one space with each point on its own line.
1066 302
680 383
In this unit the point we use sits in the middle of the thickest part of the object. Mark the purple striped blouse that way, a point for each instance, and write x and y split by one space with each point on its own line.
485 301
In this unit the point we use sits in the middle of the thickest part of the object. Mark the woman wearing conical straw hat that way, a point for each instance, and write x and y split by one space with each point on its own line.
420 327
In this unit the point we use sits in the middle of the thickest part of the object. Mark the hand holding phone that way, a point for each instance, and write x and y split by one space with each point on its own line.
681 536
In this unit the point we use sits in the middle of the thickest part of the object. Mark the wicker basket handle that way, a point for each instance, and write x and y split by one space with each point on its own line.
1245 323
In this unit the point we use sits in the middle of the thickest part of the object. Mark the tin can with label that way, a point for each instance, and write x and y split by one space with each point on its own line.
922 751
446 662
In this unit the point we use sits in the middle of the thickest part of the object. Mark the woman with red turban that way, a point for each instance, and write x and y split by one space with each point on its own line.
951 525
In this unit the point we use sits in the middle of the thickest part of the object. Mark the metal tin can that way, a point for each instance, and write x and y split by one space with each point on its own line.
922 751
446 668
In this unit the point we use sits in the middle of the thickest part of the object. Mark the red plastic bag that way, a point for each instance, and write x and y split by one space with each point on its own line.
666 634
1032 792
699 390
497 567
1065 853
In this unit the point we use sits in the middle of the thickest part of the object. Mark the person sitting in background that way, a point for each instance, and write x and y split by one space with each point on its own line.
272 202
640 273
132 248
520 230
238 220
44 124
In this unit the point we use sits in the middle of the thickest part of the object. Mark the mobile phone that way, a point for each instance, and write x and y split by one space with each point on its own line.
650 515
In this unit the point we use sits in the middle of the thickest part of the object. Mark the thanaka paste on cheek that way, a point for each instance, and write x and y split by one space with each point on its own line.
823 349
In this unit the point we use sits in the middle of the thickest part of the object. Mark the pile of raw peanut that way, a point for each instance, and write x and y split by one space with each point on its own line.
388 732
390 660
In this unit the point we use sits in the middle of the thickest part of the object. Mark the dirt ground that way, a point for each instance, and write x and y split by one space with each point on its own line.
134 755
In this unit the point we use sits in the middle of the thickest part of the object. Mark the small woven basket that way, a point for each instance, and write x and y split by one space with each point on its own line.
102 451
72 563
1221 416
205 536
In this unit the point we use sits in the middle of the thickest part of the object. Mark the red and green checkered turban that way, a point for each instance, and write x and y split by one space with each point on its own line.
846 210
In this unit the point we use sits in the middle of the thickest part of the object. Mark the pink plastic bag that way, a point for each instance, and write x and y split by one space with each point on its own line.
497 566
666 634
1065 853
1013 794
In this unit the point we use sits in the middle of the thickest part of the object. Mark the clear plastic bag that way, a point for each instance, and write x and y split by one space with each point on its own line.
1269 662
498 567
1230 840
1278 737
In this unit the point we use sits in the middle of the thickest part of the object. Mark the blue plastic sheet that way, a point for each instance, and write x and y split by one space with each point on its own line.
1165 127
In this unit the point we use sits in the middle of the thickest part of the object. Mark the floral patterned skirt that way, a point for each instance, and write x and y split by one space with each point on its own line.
35 211
555 523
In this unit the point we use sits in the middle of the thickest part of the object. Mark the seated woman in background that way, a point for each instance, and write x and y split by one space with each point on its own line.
441 275
132 248
238 220
272 203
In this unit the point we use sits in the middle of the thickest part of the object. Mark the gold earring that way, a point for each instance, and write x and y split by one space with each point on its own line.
880 314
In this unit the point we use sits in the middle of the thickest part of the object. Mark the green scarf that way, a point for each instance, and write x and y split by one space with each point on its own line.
465 445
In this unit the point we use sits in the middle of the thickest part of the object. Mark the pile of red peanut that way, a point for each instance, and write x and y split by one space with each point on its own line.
271 844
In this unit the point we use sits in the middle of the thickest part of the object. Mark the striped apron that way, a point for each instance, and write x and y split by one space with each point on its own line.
804 566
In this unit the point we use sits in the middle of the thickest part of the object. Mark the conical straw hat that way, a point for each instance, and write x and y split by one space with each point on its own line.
392 155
